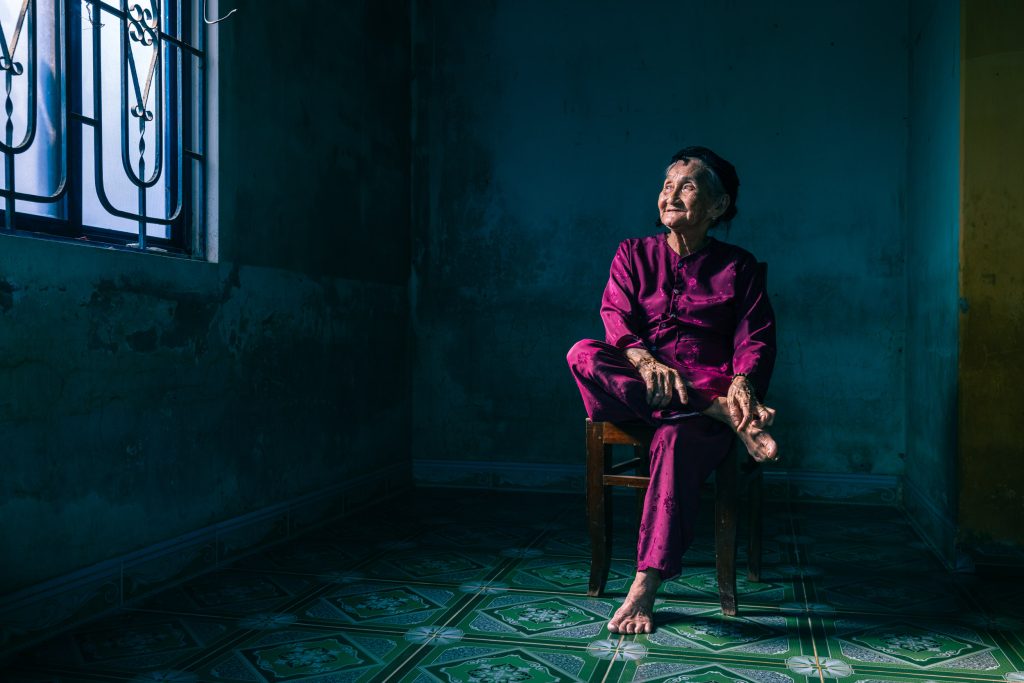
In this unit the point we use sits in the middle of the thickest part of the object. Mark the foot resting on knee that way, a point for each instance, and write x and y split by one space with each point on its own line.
758 442
637 612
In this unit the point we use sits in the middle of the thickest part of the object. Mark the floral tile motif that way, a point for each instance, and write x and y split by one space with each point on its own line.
684 628
538 616
916 645
501 663
564 574
427 564
383 604
660 669
702 584
294 654
575 541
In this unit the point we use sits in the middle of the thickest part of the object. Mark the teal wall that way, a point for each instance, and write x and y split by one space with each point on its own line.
144 396
933 210
540 135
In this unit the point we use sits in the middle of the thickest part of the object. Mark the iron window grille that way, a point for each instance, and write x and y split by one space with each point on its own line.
102 122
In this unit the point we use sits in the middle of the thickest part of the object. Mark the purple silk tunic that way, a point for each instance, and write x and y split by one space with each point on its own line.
706 314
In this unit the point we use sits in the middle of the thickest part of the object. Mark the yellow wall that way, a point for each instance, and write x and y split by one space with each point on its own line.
991 419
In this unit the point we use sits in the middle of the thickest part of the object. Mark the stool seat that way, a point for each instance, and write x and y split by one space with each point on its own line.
737 471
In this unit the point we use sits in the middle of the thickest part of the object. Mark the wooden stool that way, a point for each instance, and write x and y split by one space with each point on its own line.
738 470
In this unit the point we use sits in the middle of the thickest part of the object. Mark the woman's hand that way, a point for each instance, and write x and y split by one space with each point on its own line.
744 408
661 380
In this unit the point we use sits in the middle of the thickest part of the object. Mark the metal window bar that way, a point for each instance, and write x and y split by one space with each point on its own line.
155 100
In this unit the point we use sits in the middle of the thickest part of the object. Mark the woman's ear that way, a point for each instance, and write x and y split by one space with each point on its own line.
721 206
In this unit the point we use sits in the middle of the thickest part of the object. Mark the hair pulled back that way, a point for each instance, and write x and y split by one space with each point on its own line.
721 173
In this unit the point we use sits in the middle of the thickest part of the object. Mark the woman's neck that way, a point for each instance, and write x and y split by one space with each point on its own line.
685 243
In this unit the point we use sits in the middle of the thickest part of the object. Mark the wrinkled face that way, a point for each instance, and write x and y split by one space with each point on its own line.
686 199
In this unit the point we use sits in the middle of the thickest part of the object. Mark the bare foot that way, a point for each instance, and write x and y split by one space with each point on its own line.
637 612
759 443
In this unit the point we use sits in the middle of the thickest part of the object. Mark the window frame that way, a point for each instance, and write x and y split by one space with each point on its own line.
185 166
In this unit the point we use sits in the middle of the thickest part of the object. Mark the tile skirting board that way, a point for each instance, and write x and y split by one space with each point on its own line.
862 489
931 523
39 612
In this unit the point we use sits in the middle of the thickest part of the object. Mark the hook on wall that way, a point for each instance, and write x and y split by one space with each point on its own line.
207 19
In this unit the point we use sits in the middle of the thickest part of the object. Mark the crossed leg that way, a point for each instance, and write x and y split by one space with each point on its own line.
684 452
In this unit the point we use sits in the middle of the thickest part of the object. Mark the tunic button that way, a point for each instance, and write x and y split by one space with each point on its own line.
678 289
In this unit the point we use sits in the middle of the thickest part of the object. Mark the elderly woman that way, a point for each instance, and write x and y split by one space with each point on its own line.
690 347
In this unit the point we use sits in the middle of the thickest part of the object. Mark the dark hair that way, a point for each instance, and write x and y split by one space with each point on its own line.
723 174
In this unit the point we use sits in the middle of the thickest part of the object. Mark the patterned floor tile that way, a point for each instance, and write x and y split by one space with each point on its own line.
293 654
477 586
702 585
570 575
388 605
902 645
538 617
751 637
311 556
131 644
656 668
497 662
233 592
434 565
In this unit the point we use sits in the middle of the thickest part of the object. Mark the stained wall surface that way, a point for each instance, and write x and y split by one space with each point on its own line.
144 396
991 504
933 212
540 136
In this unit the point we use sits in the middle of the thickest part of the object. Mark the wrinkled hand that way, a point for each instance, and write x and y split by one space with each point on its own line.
744 408
661 381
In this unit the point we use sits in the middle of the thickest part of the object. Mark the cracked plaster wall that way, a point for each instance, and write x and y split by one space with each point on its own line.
540 136
144 396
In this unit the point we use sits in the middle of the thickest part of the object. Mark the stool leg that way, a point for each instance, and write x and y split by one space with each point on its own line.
725 532
599 508
754 549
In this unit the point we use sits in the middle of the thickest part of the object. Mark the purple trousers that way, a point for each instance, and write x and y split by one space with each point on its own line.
686 449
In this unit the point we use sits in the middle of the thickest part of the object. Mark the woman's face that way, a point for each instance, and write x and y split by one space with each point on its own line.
685 201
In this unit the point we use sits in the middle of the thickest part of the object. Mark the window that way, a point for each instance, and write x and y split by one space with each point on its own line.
101 127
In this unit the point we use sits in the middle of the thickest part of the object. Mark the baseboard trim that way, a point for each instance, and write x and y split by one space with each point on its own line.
38 612
860 489
931 524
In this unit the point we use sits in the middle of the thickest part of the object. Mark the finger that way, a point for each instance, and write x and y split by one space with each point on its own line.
734 410
745 412
681 388
664 390
649 382
765 416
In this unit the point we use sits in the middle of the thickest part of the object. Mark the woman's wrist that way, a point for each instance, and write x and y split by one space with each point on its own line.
639 357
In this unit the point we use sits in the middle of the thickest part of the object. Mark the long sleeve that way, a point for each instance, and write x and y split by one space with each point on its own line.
618 305
754 340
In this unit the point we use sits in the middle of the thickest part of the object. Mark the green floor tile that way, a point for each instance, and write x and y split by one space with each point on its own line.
905 645
752 637
481 662
477 586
